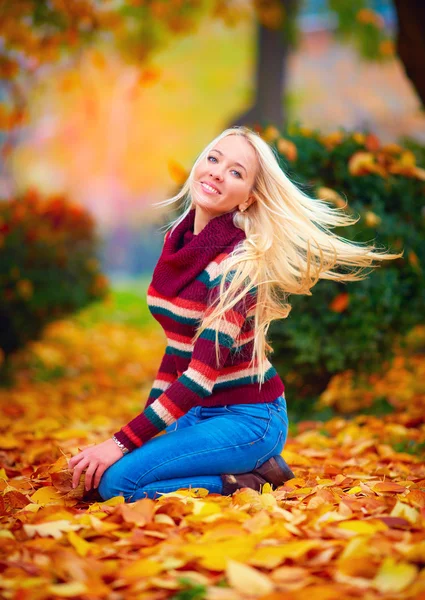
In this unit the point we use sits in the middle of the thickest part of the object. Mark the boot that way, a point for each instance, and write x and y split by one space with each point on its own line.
274 471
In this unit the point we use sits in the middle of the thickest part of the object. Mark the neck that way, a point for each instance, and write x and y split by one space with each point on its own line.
202 218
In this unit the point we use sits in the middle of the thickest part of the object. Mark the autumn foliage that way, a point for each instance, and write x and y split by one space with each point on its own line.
356 326
49 266
350 525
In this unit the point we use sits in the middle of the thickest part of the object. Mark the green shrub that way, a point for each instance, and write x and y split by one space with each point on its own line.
353 325
48 267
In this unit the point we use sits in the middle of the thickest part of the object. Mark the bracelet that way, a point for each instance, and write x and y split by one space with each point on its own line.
121 446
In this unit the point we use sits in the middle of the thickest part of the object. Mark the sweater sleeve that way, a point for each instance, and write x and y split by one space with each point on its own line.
196 382
166 375
167 372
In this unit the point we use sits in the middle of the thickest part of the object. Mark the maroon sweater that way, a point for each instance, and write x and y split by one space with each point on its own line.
185 283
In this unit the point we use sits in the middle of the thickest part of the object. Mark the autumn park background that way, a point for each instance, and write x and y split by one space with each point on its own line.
103 108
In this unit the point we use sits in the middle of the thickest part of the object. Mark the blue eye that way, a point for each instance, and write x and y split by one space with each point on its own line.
233 170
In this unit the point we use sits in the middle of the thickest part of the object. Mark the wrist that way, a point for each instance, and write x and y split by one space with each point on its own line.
120 445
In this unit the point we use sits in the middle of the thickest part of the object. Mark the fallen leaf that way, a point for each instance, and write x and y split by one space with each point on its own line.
394 577
247 580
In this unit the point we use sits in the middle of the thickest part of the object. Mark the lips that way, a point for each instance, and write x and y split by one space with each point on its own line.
212 186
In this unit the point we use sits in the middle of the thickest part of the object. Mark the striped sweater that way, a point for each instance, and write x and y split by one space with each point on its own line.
185 284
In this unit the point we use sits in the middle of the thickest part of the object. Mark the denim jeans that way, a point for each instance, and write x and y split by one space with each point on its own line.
198 448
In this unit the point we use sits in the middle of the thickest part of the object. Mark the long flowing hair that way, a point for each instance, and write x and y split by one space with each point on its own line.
288 246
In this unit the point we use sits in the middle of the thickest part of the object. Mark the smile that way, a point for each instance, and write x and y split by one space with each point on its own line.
209 188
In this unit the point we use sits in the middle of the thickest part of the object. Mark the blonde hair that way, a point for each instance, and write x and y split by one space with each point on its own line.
288 246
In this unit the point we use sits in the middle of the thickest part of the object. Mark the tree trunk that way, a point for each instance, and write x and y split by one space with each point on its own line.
270 76
411 42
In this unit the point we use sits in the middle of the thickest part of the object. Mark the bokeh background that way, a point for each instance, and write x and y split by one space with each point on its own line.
112 122
105 106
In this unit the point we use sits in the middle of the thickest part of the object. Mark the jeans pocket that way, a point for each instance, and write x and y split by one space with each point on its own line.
277 449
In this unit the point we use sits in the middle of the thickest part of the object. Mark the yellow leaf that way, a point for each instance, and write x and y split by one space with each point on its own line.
394 577
82 547
51 528
214 555
32 508
165 519
358 546
204 509
186 493
270 133
355 490
287 149
3 474
267 488
407 159
99 525
7 442
372 219
405 512
363 527
355 559
247 580
247 496
68 590
268 501
292 458
271 556
68 434
5 533
26 583
114 501
172 563
142 568
416 553
47 495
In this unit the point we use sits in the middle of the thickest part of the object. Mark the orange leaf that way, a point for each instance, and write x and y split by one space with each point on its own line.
388 486
340 302
177 172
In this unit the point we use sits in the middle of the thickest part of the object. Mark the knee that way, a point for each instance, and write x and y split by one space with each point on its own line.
111 485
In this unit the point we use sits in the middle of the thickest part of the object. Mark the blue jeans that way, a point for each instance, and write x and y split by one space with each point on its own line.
198 448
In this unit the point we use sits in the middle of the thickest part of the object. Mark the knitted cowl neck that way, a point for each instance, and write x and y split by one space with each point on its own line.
185 255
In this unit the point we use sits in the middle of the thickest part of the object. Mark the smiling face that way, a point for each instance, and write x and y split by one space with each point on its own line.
224 180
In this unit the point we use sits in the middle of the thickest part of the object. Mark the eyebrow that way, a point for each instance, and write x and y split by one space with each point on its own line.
235 163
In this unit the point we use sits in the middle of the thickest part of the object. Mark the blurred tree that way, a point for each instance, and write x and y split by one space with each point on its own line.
276 34
411 42
36 33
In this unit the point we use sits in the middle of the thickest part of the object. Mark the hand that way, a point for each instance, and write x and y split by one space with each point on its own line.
96 459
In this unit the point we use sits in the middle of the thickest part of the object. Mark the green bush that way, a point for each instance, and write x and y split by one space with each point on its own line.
353 325
48 268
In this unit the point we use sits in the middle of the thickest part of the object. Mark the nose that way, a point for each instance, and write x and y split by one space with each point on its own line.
216 173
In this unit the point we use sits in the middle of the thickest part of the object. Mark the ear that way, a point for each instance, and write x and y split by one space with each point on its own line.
251 200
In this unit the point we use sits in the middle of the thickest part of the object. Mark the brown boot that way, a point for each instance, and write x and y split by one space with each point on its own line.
274 471
231 483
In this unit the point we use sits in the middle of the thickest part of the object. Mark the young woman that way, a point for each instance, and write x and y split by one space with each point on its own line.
247 239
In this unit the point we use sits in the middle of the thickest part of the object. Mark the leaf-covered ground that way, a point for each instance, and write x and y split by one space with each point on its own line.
350 525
